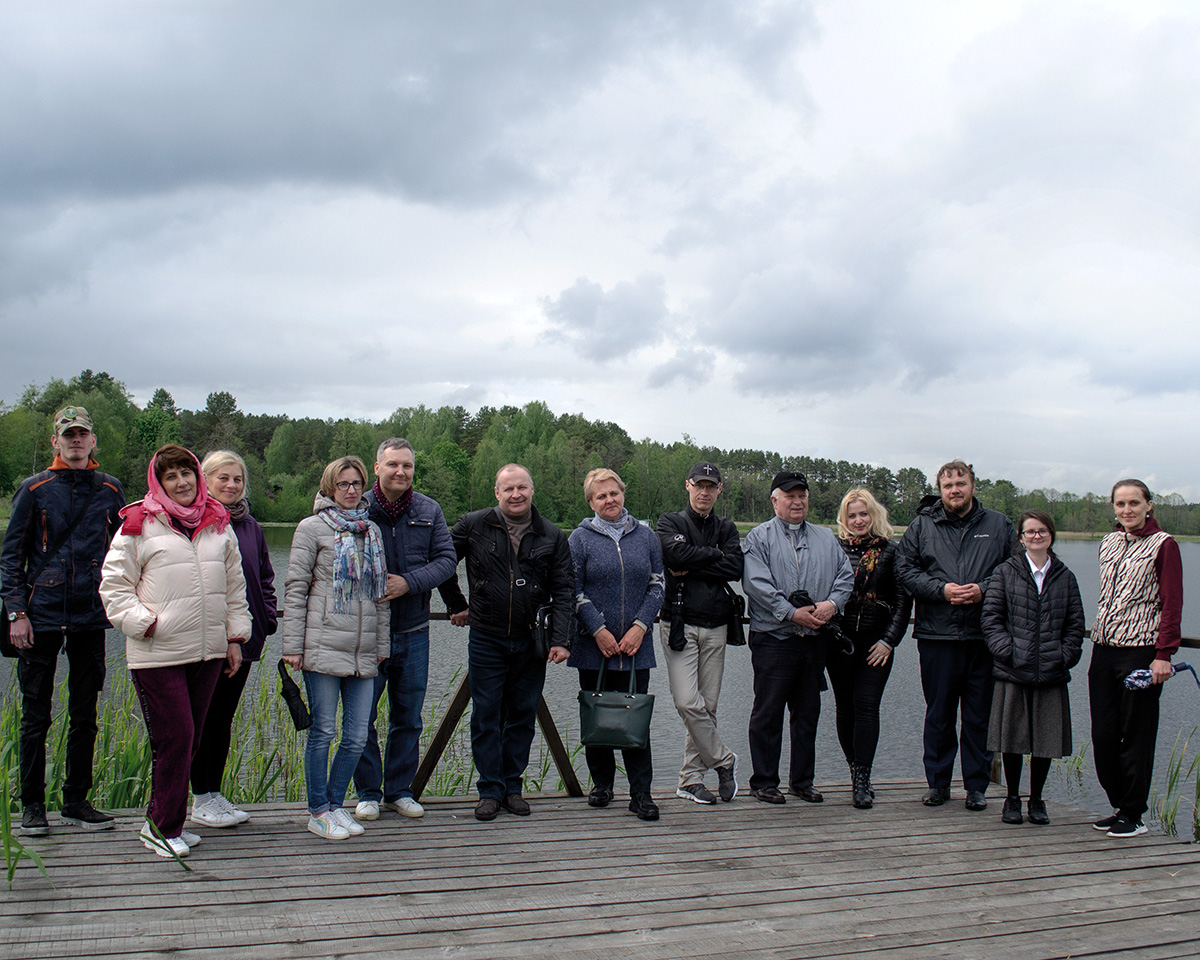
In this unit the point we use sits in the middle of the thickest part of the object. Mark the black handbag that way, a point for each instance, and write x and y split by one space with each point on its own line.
615 718
291 696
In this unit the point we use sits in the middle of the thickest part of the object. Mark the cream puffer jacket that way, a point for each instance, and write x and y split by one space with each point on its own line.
338 644
194 589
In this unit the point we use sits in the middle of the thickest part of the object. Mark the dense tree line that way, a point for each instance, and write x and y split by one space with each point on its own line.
458 454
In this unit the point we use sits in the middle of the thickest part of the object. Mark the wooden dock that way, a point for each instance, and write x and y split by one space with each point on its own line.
743 879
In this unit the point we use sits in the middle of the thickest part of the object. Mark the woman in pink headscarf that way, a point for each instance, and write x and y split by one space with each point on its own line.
172 583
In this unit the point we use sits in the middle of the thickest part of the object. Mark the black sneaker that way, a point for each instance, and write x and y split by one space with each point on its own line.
83 814
1105 824
644 806
1124 827
33 821
727 785
1012 811
696 792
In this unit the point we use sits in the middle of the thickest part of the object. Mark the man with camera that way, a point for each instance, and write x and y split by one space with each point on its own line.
797 580
701 553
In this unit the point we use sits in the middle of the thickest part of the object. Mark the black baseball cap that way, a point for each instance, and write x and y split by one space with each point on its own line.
706 471
789 480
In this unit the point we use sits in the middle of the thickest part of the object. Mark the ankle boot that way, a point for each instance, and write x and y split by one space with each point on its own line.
861 778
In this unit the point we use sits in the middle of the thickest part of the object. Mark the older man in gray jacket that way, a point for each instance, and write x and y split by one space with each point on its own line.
797 578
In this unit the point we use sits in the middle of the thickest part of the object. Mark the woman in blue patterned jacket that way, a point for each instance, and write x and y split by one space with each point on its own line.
618 592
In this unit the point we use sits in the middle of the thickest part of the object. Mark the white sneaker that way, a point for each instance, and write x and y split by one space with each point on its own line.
342 815
326 826
406 807
191 839
367 810
220 801
209 813
170 846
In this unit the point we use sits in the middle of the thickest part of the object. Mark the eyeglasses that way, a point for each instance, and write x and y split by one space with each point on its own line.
1036 534
345 485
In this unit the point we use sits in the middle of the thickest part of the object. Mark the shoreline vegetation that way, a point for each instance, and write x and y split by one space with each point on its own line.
458 453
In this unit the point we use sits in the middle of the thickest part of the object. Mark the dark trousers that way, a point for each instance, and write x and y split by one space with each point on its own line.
208 767
957 675
602 761
506 678
1124 726
85 677
174 702
857 691
787 673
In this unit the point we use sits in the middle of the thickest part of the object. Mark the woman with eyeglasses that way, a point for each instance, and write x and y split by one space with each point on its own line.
1033 623
336 632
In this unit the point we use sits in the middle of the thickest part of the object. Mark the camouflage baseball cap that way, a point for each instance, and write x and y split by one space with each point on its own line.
69 417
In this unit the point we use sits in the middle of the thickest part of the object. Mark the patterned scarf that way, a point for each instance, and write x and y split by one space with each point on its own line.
240 510
354 574
865 585
394 510
614 528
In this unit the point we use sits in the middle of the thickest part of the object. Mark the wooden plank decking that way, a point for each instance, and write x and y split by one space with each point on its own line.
742 879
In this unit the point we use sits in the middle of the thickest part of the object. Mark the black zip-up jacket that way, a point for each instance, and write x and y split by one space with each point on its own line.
506 590
940 548
887 618
66 595
1035 638
710 550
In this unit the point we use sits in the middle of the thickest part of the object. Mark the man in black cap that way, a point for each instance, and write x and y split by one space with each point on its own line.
701 553
797 579
62 521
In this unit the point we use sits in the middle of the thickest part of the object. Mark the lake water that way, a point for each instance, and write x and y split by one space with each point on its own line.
903 707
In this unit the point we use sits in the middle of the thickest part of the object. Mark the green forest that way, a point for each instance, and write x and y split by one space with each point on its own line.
458 453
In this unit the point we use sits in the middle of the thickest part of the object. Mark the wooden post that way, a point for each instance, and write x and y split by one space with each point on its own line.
445 730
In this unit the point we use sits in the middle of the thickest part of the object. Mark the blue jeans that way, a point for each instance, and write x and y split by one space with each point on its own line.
506 678
406 675
327 786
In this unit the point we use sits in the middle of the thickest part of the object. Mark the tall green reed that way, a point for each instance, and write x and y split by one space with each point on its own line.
1181 774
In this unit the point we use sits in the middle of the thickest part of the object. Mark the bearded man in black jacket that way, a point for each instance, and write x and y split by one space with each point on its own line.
702 553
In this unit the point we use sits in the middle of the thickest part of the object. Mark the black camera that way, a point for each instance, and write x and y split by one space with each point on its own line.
832 631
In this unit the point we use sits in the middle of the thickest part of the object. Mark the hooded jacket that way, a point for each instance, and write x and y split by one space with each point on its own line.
1035 638
940 547
66 595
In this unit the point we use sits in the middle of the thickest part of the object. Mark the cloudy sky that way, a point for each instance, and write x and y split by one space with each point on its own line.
858 229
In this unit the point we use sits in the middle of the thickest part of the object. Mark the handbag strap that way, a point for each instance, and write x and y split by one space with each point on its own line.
604 668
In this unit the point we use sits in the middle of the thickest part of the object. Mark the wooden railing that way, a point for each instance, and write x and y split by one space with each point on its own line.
558 751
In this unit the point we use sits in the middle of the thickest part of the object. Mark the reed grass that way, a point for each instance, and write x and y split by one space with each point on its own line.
1181 774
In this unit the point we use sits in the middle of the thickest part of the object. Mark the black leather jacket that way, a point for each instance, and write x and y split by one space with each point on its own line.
887 618
66 594
506 590
710 550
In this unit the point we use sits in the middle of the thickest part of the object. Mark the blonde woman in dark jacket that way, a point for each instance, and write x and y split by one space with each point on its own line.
1033 623
337 632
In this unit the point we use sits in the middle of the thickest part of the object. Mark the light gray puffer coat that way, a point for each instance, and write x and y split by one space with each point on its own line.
338 644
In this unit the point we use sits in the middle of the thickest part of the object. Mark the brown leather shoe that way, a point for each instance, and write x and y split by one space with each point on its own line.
515 803
768 795
808 794
487 808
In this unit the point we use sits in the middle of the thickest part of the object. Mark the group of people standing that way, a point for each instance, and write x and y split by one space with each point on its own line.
188 580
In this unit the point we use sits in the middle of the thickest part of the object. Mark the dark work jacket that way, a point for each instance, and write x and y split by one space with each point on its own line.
940 548
887 618
66 595
418 547
710 550
1034 638
506 590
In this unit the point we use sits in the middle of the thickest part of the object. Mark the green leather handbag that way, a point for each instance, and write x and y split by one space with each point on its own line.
615 718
